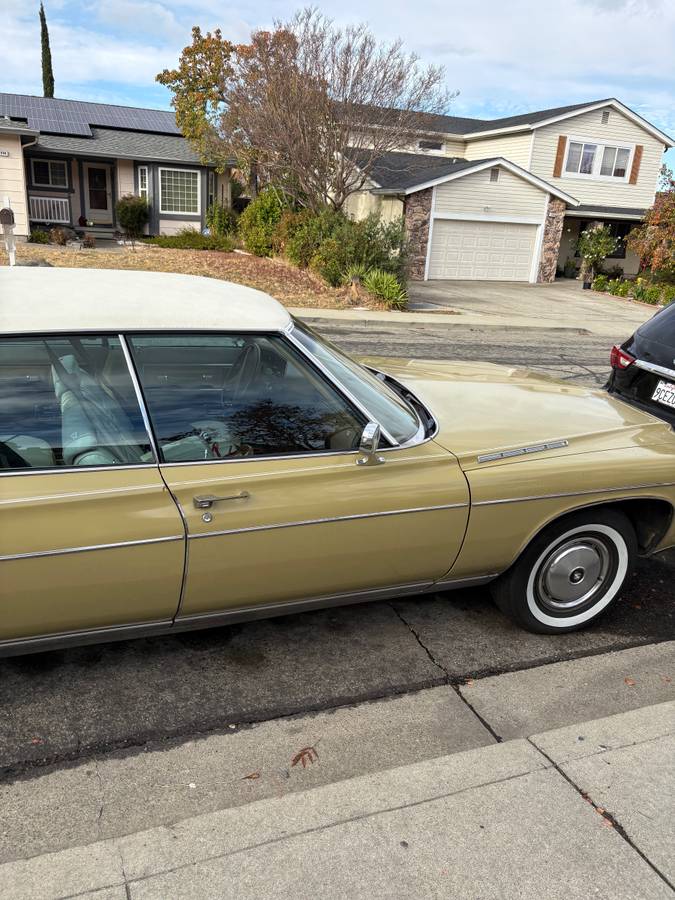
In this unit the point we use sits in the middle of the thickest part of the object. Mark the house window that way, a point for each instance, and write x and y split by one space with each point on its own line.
430 145
212 188
50 172
494 174
597 160
615 162
143 182
179 191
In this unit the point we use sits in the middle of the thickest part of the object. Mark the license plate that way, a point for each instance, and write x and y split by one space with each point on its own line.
665 394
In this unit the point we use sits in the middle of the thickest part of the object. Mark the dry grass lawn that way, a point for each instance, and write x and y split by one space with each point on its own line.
291 286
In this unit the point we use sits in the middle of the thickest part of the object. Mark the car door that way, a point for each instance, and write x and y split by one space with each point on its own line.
90 537
259 448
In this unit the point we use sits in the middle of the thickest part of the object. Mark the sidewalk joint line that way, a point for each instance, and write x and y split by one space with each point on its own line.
338 822
609 817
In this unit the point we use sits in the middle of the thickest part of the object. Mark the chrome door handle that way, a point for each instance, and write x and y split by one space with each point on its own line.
206 501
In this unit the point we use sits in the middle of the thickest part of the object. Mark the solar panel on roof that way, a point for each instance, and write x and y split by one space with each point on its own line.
77 116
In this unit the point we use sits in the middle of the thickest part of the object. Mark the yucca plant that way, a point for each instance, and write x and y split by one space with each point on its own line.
386 287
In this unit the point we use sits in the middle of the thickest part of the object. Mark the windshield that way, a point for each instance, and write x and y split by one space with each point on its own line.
387 408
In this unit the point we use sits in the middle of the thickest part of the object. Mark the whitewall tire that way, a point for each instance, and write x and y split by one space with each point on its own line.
570 573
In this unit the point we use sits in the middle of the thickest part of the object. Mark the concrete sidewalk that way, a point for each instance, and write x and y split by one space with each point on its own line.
580 811
410 797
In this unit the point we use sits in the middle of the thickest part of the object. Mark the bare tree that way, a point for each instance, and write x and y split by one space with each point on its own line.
309 105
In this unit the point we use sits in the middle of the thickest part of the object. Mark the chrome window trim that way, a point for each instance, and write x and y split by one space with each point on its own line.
338 385
610 490
326 520
140 399
34 554
62 470
654 369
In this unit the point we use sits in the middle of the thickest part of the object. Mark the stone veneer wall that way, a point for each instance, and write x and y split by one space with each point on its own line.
417 221
550 249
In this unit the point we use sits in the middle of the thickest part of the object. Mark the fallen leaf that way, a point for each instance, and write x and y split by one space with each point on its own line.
305 756
37 741
630 682
665 679
252 777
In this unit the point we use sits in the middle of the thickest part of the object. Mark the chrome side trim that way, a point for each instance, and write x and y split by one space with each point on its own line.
323 521
338 384
139 395
86 549
523 451
226 617
625 487
654 369
455 584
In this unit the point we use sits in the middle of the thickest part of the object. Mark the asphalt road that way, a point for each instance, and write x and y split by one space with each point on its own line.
66 705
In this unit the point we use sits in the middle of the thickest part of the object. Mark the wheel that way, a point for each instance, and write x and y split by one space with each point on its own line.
570 573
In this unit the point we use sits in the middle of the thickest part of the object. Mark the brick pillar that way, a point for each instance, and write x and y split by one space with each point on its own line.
550 249
417 221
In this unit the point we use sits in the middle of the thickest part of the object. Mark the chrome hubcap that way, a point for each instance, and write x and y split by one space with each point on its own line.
573 573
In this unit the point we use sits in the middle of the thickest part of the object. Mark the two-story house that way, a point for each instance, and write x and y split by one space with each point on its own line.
67 162
499 200
505 199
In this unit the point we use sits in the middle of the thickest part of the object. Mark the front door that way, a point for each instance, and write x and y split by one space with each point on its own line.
98 193
90 537
260 451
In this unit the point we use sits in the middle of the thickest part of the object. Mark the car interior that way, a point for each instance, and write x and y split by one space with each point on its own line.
70 401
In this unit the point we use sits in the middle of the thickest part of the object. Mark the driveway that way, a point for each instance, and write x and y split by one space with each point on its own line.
563 304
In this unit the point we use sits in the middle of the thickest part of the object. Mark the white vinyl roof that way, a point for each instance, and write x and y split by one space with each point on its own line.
46 300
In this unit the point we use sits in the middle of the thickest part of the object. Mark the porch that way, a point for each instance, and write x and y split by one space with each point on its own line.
623 259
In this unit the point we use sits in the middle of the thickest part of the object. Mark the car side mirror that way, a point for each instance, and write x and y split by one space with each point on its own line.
368 446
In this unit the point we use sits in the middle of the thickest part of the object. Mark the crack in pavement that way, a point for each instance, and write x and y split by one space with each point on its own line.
606 815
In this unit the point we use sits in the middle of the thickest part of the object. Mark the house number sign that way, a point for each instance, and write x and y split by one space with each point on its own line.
4 152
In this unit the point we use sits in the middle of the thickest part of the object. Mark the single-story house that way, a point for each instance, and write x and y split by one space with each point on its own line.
66 162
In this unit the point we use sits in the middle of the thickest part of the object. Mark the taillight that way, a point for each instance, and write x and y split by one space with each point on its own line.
620 359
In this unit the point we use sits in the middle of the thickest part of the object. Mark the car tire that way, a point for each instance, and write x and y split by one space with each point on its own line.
570 573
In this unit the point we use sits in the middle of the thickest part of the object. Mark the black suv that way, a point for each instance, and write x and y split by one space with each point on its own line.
643 368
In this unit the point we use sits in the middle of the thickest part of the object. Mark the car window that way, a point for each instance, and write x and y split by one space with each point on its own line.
68 401
661 327
228 396
389 410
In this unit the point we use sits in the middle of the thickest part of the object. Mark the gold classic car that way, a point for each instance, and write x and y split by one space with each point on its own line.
178 452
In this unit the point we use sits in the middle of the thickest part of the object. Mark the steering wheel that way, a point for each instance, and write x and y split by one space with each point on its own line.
245 370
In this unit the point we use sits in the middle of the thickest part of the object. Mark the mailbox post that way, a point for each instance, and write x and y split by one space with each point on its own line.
7 225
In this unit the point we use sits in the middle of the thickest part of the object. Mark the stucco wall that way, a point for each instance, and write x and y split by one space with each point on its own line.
363 203
13 181
510 196
173 226
618 130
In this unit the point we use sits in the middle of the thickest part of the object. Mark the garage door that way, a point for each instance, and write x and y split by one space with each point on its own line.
493 251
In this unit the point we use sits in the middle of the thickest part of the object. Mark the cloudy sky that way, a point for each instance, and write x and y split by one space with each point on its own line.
503 58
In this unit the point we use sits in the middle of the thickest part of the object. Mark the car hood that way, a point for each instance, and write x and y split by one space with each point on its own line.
484 409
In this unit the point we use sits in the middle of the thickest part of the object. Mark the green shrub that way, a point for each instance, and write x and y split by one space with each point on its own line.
667 294
600 283
386 287
132 214
618 287
39 236
303 233
190 239
221 220
329 261
258 222
356 272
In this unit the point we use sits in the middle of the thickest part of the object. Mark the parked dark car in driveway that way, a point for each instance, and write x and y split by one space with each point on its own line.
643 368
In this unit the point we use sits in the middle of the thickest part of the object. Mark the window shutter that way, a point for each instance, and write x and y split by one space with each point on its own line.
559 156
635 168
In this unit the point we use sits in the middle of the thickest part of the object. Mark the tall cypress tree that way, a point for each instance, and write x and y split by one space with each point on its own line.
47 73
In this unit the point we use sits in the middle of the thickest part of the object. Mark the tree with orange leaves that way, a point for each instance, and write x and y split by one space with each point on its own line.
654 239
